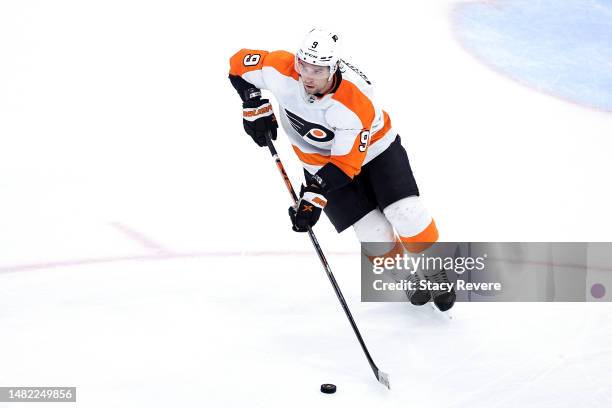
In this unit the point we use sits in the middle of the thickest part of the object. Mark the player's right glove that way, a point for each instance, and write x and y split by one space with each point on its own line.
258 120
307 211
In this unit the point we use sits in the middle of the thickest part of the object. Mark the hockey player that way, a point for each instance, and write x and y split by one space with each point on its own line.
356 168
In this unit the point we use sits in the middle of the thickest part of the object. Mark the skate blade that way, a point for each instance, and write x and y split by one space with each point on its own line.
447 313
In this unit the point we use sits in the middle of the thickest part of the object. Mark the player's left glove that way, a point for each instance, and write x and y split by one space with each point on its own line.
307 211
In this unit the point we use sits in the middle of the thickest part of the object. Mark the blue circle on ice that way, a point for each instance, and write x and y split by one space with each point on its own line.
563 48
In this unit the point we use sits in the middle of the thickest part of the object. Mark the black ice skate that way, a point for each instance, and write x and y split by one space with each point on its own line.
443 299
417 296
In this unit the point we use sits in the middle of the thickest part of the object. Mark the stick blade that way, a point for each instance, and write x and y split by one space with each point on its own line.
383 378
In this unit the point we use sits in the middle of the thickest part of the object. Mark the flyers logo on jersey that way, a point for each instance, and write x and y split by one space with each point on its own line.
308 130
317 133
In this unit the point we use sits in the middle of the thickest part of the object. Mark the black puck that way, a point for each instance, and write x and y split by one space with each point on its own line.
328 388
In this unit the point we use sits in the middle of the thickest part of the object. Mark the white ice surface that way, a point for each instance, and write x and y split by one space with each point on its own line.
145 254
267 331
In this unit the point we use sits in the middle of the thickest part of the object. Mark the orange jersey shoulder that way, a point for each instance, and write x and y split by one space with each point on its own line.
349 95
247 60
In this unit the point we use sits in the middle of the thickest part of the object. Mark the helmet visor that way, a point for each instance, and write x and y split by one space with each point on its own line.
311 71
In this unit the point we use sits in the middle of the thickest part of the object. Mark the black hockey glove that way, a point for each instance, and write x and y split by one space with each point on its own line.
258 119
307 211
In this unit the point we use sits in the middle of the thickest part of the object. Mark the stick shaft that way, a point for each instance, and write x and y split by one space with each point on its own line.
326 266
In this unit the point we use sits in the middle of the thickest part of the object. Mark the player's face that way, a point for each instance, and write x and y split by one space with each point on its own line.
315 78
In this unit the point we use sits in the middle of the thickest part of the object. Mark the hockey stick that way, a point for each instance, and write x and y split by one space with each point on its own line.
381 376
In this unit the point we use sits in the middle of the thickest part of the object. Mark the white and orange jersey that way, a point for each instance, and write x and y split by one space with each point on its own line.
344 127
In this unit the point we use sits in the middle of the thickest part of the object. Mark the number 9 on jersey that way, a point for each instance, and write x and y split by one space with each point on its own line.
364 139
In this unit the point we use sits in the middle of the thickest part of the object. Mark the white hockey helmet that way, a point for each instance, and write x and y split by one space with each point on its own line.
319 47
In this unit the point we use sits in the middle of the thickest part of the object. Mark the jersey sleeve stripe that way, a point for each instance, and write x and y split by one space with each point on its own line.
351 163
382 132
